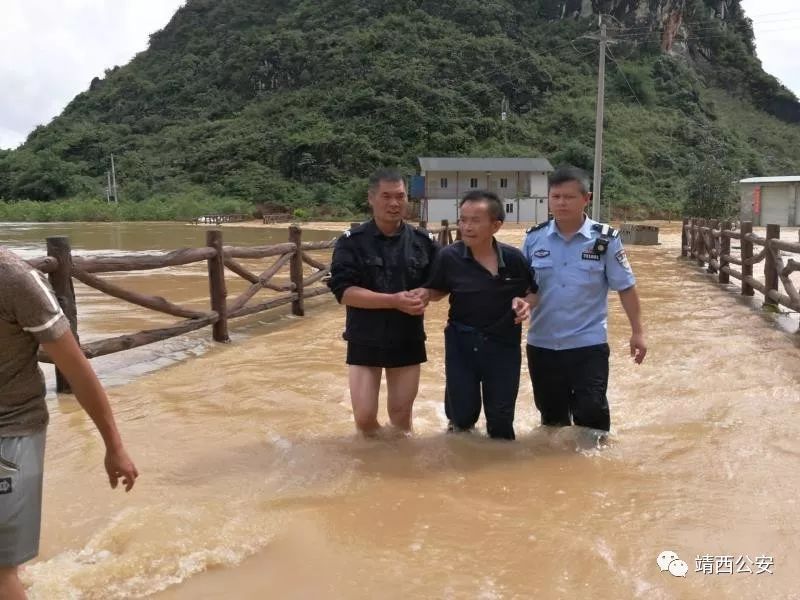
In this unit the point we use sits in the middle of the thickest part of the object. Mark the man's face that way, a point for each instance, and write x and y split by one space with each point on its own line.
567 201
476 224
389 201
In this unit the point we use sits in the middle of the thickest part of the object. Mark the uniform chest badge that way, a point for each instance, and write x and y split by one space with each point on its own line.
541 253
590 256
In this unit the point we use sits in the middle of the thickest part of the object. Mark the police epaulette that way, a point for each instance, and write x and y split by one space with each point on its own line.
605 229
537 227
357 229
425 232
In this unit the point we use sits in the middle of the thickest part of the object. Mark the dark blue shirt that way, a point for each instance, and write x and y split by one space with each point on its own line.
479 298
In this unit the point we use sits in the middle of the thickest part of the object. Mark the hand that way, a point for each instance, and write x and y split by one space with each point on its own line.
521 308
118 464
409 303
423 294
638 348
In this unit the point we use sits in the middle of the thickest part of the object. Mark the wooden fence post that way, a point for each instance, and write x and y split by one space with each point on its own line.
770 269
745 229
61 281
296 269
445 224
692 238
701 242
712 224
725 249
684 237
216 283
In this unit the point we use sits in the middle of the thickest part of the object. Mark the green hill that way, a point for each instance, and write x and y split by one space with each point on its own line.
291 103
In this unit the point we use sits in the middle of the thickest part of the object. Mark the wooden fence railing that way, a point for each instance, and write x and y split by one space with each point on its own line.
62 267
219 219
276 218
709 242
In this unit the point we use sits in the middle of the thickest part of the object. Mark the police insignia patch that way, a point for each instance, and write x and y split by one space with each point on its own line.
6 486
541 253
622 259
590 256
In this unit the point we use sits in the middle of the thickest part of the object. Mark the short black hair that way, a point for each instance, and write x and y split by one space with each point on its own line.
566 173
496 209
384 175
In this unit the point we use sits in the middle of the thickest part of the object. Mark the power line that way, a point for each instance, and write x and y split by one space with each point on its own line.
621 72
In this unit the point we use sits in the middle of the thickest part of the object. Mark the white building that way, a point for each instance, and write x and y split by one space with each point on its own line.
770 200
520 182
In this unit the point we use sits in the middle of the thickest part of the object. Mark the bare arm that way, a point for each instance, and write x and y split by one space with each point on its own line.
69 359
630 303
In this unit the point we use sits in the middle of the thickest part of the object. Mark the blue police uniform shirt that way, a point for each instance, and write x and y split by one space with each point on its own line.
573 283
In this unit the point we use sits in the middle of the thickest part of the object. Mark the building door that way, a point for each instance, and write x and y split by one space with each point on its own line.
775 204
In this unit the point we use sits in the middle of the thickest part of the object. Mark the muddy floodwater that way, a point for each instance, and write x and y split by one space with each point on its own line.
254 486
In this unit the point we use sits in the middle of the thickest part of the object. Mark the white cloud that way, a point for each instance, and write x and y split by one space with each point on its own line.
51 49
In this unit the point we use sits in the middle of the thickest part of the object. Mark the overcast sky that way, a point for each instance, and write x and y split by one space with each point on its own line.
51 49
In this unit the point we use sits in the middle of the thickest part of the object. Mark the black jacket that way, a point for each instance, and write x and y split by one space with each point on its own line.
365 257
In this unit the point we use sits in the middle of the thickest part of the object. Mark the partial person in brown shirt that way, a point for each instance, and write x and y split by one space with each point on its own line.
29 317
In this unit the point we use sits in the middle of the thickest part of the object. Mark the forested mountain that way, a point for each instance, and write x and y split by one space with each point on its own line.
293 102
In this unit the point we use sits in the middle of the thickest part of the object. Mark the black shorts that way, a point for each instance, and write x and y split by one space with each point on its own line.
411 353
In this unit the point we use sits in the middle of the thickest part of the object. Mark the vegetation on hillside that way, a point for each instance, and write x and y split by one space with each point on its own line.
291 103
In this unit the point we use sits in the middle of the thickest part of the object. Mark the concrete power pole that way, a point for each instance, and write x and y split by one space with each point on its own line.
598 127
114 179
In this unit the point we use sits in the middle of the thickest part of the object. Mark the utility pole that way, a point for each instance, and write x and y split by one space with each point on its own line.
503 117
114 179
598 126
108 186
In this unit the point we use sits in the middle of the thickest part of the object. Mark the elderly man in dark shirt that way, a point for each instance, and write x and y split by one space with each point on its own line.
377 272
491 288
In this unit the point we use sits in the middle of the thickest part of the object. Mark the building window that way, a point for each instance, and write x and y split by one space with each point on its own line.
473 183
509 208
443 183
503 182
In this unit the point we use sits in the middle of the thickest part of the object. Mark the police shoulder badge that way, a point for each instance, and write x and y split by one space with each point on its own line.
622 259
541 253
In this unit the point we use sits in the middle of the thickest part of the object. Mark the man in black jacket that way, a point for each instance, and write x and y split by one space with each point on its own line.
377 272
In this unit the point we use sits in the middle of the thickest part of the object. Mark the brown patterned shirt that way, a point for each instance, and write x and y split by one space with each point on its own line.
29 315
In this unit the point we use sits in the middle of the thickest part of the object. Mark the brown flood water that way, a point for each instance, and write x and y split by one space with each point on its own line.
253 485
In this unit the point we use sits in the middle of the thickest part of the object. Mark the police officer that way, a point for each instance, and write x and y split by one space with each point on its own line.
377 272
488 283
576 261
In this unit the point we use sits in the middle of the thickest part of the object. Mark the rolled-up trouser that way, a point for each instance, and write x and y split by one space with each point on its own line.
569 386
21 469
476 363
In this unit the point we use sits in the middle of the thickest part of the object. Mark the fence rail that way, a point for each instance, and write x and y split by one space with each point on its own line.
708 241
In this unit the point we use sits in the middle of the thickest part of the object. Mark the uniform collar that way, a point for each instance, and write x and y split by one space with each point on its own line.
585 229
467 253
378 233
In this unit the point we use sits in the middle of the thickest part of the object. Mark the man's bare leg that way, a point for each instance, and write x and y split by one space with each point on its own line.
365 384
403 384
10 585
